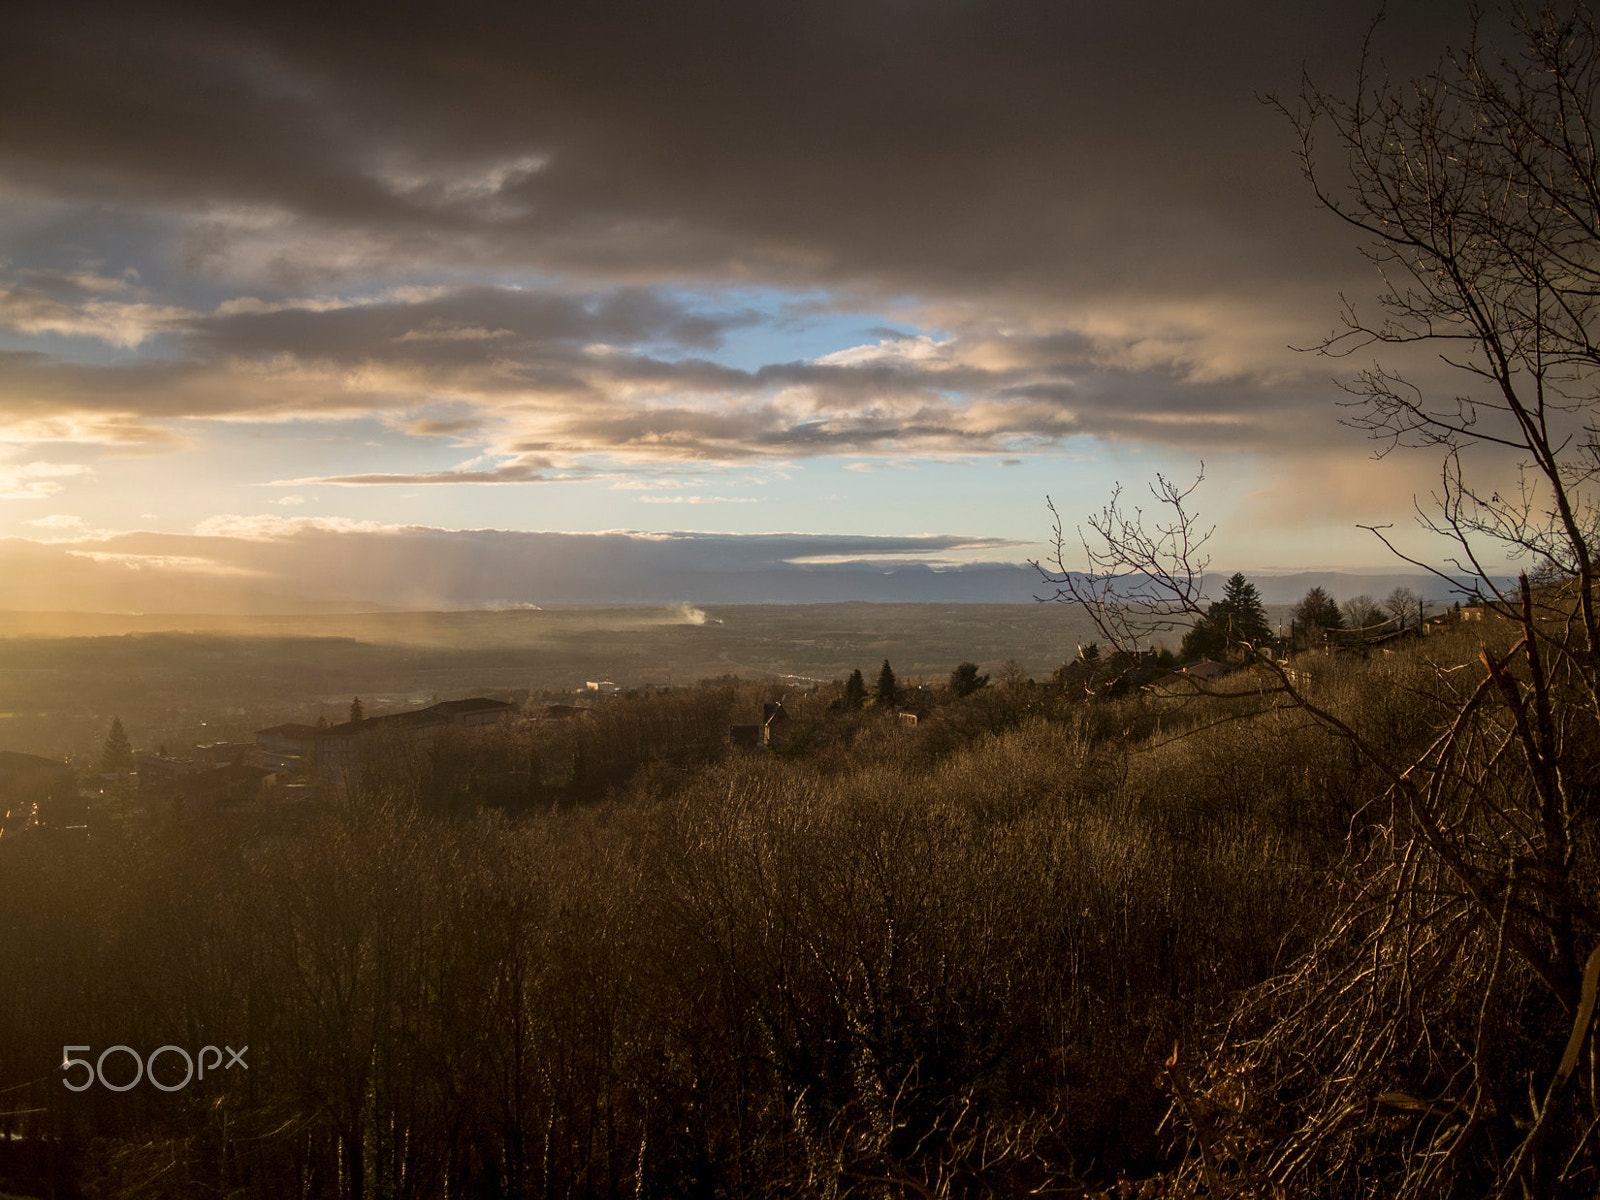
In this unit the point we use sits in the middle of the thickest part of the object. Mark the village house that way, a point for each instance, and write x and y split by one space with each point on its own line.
776 727
776 723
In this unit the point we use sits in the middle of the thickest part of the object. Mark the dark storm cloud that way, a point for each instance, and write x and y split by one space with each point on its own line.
460 325
1038 146
1089 203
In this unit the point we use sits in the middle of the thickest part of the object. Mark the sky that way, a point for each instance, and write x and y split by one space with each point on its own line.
283 288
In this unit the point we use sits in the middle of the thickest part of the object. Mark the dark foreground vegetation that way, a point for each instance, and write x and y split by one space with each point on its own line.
613 957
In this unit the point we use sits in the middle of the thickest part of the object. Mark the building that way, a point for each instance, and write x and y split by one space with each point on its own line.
339 748
162 771
288 748
231 786
776 723
475 713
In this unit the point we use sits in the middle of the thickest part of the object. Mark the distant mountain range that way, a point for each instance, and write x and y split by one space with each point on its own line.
313 570
280 566
981 584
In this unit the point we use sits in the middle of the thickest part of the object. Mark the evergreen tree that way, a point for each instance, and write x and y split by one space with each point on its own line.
1238 619
888 690
117 756
356 711
1204 640
855 690
1242 615
1315 615
965 680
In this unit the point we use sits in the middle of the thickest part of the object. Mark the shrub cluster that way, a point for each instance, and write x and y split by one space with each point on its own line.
945 959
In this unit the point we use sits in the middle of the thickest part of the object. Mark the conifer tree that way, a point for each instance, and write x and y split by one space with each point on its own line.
888 690
356 711
1238 619
117 756
1315 615
855 690
1243 616
965 680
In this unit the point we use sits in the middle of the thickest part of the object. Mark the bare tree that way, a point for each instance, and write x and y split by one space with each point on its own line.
1478 191
1146 574
1361 611
1431 1043
1403 604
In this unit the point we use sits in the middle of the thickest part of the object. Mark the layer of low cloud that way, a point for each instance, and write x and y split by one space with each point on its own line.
619 374
36 480
268 561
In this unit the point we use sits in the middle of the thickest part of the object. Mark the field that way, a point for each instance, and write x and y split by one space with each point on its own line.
183 680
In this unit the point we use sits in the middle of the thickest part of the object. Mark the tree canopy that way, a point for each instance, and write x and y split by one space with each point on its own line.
1238 619
1405 606
855 690
1316 613
1361 611
965 680
888 690
117 754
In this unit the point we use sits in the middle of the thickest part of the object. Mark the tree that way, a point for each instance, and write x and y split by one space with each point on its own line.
117 755
1315 615
1403 604
1013 673
965 680
1241 614
888 690
1204 640
1361 611
1471 883
1475 190
1237 620
356 711
855 690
